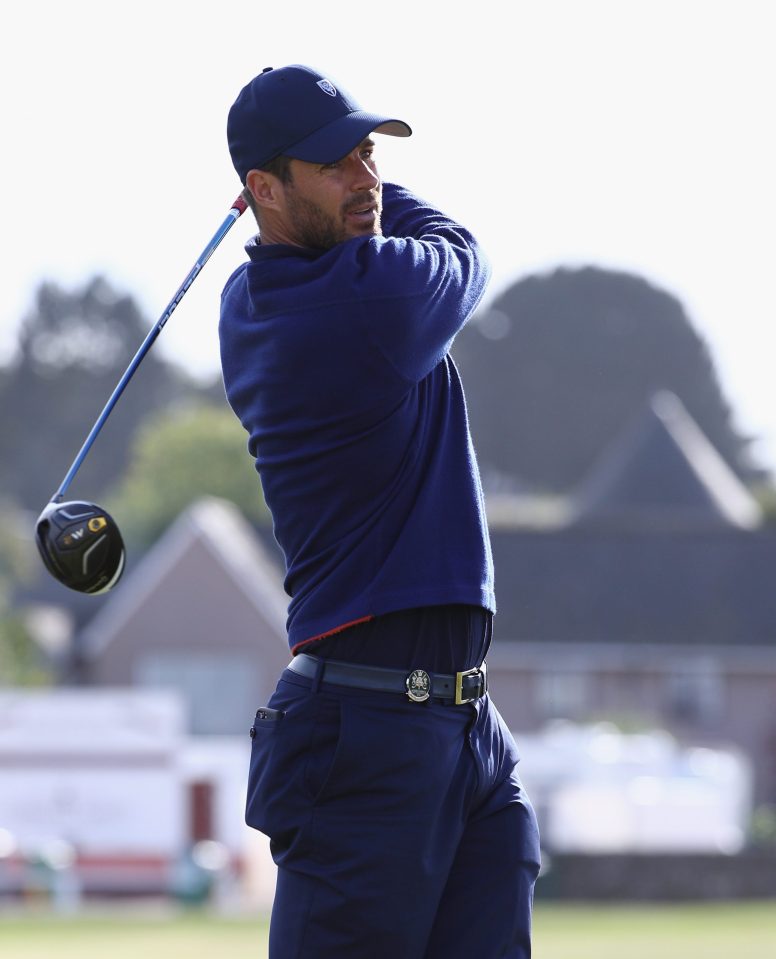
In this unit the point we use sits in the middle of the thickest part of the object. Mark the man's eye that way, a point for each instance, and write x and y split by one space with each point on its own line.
329 166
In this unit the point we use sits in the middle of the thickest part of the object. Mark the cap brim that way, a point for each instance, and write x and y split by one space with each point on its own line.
338 138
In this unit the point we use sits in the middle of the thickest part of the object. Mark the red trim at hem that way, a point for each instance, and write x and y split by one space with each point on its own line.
330 632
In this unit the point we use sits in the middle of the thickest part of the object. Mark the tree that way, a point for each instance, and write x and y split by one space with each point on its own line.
73 347
21 661
563 362
179 457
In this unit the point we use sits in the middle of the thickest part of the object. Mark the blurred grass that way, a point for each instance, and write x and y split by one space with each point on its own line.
712 931
176 936
707 931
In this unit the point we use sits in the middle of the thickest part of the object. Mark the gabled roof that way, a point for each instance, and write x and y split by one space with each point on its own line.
218 527
664 471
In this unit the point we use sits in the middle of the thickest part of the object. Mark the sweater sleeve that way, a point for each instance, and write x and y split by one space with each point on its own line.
419 283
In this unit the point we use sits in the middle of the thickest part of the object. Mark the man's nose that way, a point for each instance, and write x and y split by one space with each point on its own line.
364 175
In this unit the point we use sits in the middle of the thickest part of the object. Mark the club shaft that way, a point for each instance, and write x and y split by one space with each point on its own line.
235 211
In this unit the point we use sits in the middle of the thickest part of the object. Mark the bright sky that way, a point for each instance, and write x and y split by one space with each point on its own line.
630 134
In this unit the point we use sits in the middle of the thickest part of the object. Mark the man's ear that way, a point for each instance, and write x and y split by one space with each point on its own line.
265 188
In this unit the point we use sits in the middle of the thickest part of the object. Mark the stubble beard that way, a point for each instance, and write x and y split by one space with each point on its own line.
319 230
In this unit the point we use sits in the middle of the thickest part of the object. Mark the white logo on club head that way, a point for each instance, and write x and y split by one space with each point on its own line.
328 87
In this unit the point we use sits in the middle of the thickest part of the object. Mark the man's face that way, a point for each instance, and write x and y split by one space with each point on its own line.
327 204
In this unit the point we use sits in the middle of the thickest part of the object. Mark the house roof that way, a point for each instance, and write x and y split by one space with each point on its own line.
663 471
592 585
217 526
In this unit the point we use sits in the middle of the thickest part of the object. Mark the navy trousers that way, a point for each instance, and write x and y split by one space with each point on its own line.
400 830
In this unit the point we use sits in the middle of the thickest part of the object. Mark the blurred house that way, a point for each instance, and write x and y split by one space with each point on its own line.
647 600
203 613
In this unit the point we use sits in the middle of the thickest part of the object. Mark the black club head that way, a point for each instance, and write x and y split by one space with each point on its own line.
81 546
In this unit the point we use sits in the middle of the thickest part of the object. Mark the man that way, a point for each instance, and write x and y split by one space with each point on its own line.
380 770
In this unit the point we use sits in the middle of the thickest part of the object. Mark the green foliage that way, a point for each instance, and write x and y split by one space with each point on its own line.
763 826
21 661
765 494
15 552
178 458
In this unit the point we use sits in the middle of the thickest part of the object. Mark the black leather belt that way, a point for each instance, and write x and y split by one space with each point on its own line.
419 685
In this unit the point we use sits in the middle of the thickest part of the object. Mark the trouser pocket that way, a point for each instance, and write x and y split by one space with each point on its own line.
295 740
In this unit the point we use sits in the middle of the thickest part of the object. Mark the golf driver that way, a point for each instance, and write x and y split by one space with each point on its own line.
79 542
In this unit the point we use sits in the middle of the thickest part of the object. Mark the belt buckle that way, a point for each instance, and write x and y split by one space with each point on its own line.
459 678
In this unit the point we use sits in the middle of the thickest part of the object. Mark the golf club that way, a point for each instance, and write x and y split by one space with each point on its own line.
79 542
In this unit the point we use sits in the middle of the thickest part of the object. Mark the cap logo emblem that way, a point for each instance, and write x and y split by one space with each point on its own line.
328 87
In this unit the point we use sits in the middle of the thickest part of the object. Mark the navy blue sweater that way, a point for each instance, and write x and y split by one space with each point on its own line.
337 365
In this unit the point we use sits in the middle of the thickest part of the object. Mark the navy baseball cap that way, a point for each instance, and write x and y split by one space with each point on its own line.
298 112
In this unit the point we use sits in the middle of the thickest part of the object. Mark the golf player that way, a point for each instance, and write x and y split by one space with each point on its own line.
380 769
